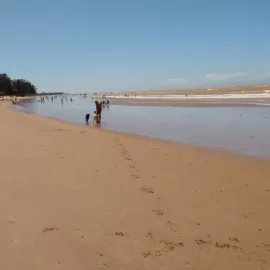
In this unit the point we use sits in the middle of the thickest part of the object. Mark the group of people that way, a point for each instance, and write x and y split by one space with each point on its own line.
42 99
97 112
66 98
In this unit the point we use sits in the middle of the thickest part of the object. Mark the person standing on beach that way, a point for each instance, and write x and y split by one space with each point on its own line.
98 109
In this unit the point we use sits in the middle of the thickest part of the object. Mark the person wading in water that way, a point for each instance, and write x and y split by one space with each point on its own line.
98 109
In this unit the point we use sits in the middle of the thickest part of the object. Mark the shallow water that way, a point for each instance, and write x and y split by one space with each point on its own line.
241 130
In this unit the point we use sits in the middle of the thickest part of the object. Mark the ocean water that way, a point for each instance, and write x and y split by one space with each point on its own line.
244 130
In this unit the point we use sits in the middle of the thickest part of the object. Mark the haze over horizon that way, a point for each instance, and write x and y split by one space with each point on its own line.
103 46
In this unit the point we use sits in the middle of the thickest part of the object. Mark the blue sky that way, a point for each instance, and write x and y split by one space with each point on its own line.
116 45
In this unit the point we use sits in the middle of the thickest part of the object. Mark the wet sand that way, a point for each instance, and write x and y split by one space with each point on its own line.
74 197
234 129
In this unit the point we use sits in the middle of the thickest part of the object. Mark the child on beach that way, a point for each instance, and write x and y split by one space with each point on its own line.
96 117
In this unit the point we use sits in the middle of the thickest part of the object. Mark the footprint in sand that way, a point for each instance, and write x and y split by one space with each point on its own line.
107 263
146 254
158 212
16 241
168 246
147 190
226 245
200 242
119 233
150 234
59 129
49 229
98 254
171 245
11 219
234 239
135 176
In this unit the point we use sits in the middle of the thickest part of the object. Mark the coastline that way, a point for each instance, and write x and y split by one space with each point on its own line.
77 197
213 146
211 103
205 91
192 100
143 137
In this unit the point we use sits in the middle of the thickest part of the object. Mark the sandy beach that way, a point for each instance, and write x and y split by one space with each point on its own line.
229 96
74 197
211 90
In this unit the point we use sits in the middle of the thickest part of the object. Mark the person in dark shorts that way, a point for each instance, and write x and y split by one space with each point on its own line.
87 116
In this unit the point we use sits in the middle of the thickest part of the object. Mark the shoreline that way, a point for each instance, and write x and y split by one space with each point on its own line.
75 197
171 143
192 145
165 96
216 100
188 103
261 99
210 90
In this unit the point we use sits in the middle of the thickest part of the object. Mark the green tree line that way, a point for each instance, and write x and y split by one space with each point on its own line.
16 87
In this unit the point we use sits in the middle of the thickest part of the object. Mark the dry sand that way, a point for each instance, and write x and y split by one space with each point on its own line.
73 197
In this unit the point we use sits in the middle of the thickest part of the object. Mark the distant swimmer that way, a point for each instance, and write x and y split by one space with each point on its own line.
87 116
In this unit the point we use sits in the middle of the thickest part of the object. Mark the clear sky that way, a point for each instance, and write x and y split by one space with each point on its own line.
116 45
